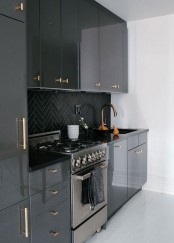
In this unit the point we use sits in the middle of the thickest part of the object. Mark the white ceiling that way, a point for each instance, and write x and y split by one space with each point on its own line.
139 9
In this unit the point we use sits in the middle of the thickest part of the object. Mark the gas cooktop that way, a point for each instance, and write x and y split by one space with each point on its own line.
52 142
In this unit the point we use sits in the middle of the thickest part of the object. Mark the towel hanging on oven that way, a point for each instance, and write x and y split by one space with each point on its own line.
93 188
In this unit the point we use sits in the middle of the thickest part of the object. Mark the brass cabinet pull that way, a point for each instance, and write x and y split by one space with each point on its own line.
66 81
53 192
97 84
54 233
138 152
24 136
20 7
115 86
118 146
54 213
24 145
37 78
26 231
52 170
26 222
58 80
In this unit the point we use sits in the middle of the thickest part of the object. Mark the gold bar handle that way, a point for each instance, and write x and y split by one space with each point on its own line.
58 80
20 7
114 86
24 136
54 233
118 146
24 145
97 84
53 192
54 213
37 78
139 152
52 170
26 222
66 81
26 231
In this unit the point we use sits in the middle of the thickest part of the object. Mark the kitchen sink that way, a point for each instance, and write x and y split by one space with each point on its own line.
124 131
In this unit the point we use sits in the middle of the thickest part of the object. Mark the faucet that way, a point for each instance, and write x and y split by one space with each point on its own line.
113 108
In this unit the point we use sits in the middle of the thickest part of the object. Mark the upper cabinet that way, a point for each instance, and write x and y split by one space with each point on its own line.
14 9
76 44
103 49
113 52
54 44
89 45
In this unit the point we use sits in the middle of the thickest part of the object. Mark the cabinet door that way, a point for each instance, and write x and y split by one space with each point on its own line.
13 8
117 176
13 158
50 37
137 169
33 44
70 44
13 221
89 46
113 52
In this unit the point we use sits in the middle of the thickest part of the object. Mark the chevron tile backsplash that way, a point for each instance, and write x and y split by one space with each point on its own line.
53 110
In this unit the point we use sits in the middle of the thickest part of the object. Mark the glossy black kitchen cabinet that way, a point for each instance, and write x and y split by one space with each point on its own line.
33 43
117 176
113 52
89 45
13 152
50 214
14 223
103 49
55 39
13 8
137 168
50 203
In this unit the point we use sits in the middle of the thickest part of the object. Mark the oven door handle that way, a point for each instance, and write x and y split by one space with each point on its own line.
82 178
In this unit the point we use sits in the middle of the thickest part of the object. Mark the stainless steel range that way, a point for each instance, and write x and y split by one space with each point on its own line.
85 157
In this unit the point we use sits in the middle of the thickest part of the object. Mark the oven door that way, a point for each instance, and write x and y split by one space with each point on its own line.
82 212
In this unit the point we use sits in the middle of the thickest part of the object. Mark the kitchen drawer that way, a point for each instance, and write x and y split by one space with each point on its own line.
52 225
49 198
13 8
49 176
142 138
132 142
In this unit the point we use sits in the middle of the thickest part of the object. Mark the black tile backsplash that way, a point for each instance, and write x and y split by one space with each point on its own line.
53 110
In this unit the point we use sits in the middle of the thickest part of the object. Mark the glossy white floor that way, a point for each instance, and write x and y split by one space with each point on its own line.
147 218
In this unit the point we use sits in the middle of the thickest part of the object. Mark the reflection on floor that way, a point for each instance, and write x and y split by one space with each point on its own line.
147 218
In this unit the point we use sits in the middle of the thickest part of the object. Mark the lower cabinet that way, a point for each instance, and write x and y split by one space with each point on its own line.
137 169
127 170
50 214
14 222
117 176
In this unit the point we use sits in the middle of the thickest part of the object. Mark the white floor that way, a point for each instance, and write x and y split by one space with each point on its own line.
147 218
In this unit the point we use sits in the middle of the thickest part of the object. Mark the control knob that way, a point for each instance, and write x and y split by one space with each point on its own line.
84 160
93 157
77 163
89 158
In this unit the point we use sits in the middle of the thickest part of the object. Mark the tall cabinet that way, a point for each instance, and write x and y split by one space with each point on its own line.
14 204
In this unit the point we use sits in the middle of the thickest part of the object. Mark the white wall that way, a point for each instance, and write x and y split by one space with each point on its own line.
150 100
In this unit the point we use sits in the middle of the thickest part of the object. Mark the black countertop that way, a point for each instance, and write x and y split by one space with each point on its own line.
41 159
110 138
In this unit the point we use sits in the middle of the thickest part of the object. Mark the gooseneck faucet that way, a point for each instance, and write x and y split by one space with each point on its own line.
113 108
